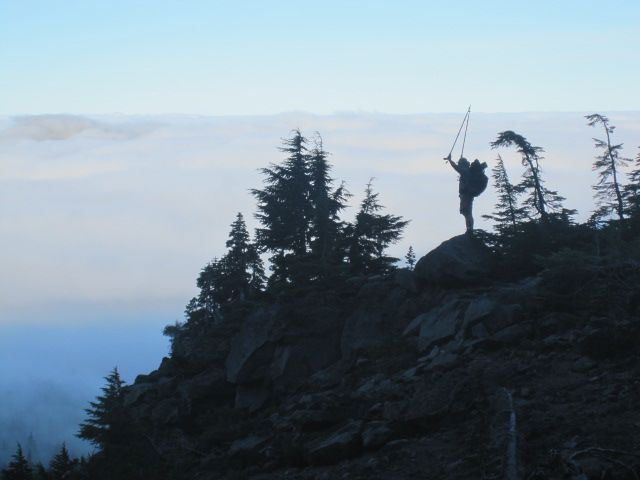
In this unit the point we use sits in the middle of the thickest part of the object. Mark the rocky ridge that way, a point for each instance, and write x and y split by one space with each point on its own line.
436 373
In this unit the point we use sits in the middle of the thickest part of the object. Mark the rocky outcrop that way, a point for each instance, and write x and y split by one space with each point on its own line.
409 375
382 308
457 262
439 325
463 319
252 347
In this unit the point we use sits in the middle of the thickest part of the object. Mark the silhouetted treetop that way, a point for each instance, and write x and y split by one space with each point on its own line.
632 190
18 468
540 200
608 191
106 423
507 214
284 205
327 203
61 464
371 234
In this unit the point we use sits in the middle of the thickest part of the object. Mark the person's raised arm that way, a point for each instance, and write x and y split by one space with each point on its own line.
452 163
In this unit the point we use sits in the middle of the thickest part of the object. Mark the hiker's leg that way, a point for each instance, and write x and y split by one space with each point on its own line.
466 206
468 220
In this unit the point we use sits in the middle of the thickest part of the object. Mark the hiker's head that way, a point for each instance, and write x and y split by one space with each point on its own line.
463 162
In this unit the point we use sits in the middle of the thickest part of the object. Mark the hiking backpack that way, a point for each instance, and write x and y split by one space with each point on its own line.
477 179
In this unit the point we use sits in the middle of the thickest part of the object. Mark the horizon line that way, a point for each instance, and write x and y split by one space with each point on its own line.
309 113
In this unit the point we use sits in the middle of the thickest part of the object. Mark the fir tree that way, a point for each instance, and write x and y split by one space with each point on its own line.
540 200
410 257
284 206
326 204
18 468
244 268
371 234
608 189
61 464
507 214
237 275
107 423
211 283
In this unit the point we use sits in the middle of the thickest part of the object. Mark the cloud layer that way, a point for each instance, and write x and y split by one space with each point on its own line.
139 204
63 127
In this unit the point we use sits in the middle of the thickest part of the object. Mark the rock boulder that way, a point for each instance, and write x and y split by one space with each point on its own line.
252 348
461 260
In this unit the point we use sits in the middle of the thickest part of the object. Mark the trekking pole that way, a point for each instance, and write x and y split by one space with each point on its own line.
464 139
459 130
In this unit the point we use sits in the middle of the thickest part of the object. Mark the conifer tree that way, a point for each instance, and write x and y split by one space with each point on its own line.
245 271
540 200
285 209
410 257
371 234
124 450
18 468
107 424
284 206
608 189
507 213
326 203
61 464
632 190
237 275
212 291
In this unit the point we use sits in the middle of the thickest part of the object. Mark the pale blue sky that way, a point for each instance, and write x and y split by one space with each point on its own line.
262 57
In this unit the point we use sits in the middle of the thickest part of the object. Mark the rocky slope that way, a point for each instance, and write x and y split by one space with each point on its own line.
437 373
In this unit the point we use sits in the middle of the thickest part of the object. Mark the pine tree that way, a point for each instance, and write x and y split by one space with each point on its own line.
410 257
326 204
608 189
107 424
18 468
371 234
61 464
540 200
284 205
507 214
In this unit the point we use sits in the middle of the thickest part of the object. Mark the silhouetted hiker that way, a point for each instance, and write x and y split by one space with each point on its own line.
473 181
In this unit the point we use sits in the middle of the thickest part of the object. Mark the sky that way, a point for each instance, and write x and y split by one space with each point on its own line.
266 57
132 131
